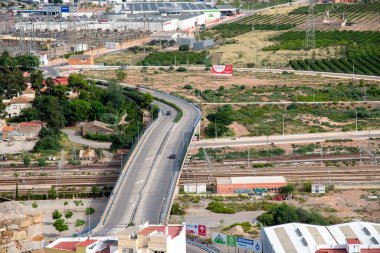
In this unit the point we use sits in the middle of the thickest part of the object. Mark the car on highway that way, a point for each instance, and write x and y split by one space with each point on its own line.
172 156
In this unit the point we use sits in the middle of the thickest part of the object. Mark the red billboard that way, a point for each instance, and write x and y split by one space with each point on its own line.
222 70
202 230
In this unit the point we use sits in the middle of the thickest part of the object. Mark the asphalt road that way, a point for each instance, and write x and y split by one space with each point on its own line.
298 72
139 197
75 137
279 139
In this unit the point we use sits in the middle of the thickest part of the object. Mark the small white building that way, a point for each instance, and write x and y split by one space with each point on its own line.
153 238
15 105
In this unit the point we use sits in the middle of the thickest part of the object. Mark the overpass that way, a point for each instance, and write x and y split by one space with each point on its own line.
145 187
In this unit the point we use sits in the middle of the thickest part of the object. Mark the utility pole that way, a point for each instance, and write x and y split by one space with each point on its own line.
283 125
356 120
310 28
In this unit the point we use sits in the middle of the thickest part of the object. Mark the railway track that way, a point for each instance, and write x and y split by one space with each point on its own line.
363 173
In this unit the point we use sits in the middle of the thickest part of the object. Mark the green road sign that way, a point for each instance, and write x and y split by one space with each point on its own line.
231 240
219 238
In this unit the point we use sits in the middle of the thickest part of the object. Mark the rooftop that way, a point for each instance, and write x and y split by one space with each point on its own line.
173 231
8 129
80 56
87 243
157 6
31 124
297 237
20 100
71 246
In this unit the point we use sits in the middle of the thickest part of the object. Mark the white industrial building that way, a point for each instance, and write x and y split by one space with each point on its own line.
353 237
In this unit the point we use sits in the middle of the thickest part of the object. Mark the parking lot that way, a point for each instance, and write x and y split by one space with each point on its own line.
16 146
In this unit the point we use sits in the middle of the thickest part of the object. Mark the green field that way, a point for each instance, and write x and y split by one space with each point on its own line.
253 5
175 58
301 93
362 51
352 12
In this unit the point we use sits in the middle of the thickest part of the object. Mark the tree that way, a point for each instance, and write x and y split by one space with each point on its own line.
50 111
289 188
114 96
89 210
52 192
17 193
69 214
12 82
7 61
36 79
56 215
77 82
79 110
49 143
49 82
97 109
26 160
60 225
120 75
94 190
27 61
27 114
215 129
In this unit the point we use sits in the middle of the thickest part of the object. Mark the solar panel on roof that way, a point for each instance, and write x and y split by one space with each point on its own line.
373 239
366 231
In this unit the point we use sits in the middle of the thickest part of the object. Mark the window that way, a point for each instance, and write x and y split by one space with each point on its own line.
15 107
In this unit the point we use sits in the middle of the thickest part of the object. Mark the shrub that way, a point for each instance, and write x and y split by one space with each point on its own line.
89 210
188 87
184 48
79 223
69 214
34 204
177 209
27 160
56 215
75 162
219 207
181 69
42 161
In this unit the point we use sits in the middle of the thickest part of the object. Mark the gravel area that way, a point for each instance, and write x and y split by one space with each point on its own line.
48 206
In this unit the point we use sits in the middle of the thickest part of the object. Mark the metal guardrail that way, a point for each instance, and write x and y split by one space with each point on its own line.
125 160
148 175
170 192
203 247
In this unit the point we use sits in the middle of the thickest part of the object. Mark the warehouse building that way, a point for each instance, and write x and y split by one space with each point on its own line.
353 237
251 185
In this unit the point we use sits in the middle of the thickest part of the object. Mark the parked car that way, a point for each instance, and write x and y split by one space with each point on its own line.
168 113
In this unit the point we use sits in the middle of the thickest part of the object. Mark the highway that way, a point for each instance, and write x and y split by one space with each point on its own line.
140 194
283 139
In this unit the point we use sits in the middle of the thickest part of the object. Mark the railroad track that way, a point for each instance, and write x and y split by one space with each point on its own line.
365 173
94 166
64 181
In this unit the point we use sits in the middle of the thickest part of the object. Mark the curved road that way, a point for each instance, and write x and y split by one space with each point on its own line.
141 191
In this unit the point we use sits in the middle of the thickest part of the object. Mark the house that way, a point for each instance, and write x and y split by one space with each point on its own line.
7 132
29 129
153 238
29 93
96 127
16 104
82 245
81 59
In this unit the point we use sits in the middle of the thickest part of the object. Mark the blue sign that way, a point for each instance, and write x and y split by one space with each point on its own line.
244 243
65 9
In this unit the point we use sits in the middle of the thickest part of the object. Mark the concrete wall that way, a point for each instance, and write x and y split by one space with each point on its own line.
231 188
